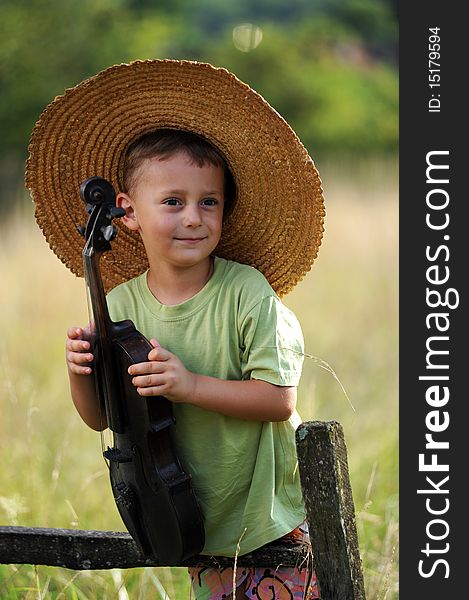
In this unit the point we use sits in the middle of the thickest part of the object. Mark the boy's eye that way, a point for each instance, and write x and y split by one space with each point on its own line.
209 201
172 201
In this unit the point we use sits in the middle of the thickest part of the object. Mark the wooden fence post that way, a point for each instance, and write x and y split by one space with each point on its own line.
322 458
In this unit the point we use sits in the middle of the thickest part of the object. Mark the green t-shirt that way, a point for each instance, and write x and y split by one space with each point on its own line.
245 473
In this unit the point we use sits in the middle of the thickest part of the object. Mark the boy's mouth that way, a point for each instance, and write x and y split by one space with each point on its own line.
190 240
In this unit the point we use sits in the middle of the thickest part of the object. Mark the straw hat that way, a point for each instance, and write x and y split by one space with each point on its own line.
276 224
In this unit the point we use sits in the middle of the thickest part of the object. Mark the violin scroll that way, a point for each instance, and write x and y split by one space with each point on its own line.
100 199
97 190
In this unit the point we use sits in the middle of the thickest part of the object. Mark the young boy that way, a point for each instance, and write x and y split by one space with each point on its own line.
227 352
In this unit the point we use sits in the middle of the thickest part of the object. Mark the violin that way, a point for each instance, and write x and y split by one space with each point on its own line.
153 494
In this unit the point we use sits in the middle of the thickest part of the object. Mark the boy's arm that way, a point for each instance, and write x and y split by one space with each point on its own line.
164 374
82 389
81 378
254 399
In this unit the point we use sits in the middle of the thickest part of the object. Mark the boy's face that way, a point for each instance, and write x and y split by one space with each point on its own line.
177 207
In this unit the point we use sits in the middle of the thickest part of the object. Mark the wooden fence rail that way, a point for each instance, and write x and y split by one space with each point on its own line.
322 458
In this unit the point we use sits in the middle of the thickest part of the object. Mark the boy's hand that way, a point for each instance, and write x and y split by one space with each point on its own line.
77 351
163 375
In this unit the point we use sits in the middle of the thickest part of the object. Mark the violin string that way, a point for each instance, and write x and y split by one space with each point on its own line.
101 423
93 342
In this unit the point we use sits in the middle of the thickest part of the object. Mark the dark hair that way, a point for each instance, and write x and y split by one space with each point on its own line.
164 143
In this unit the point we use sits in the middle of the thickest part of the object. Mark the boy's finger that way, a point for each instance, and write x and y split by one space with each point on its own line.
80 370
79 358
159 353
77 345
149 385
145 367
74 332
143 381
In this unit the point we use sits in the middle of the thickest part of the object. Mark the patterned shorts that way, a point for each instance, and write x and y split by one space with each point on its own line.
262 583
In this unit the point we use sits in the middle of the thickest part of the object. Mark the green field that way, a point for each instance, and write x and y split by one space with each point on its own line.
52 473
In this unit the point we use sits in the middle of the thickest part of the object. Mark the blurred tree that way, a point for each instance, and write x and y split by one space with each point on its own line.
323 81
374 20
47 46
44 51
328 66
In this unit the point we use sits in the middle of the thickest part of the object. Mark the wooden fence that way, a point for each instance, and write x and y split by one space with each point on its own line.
322 458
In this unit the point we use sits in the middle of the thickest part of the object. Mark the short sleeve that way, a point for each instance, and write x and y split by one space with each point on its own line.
272 344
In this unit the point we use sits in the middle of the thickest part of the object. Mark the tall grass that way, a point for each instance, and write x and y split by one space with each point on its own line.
52 473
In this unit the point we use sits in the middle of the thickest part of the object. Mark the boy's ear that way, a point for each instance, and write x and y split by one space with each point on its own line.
130 217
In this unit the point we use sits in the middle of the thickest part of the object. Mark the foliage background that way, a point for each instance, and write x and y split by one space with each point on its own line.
330 68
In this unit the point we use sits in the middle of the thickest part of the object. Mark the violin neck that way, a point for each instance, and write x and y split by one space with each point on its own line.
99 313
101 328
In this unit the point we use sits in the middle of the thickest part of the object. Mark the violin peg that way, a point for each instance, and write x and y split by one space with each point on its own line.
109 232
117 212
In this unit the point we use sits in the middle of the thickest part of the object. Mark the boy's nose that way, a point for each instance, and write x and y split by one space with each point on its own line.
192 217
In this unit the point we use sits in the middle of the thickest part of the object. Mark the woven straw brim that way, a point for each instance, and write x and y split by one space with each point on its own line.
276 224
